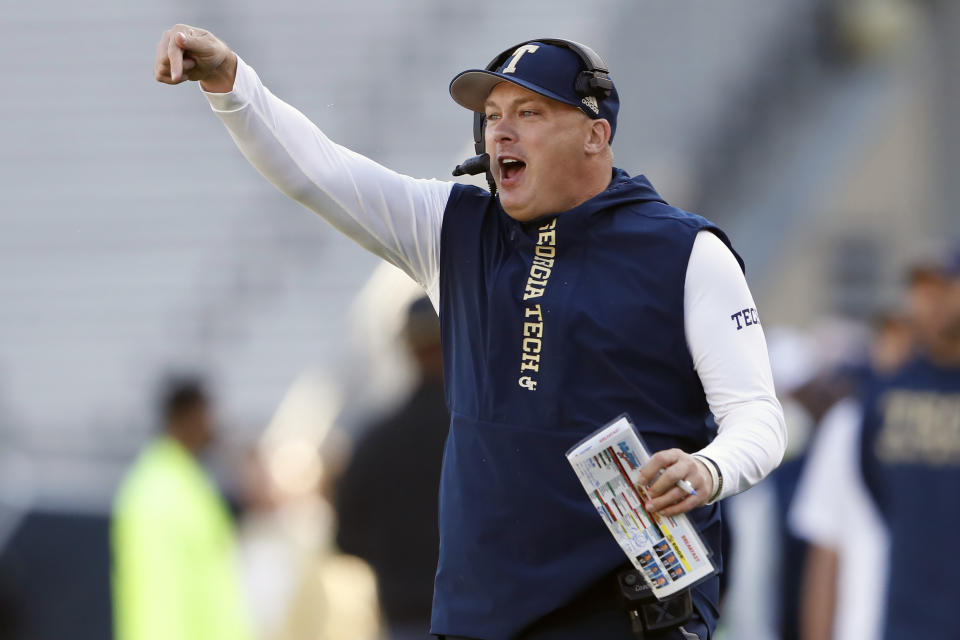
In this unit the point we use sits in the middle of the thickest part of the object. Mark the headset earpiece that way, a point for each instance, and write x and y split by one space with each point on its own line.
479 127
593 83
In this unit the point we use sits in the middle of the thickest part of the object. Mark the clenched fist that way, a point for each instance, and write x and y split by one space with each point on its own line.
191 53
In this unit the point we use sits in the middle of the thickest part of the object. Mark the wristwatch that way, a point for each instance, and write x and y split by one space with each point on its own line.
715 475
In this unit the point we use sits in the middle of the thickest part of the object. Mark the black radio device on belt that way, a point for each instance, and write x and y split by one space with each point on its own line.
649 615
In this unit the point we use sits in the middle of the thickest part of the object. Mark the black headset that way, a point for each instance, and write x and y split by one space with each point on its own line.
593 80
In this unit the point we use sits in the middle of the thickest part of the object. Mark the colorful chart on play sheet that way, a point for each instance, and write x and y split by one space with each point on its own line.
668 551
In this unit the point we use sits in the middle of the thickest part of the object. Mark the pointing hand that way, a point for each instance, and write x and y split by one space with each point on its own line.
191 53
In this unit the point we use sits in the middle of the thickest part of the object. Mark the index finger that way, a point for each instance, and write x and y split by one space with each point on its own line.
657 462
175 54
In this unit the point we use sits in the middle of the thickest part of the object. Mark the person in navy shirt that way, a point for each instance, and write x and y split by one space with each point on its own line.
568 293
911 463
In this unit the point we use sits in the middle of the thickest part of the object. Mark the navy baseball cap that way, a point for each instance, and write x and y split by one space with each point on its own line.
547 69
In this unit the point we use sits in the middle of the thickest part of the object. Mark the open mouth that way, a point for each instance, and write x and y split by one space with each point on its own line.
510 170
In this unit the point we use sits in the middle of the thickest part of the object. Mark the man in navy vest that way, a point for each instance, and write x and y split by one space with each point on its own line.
574 294
911 462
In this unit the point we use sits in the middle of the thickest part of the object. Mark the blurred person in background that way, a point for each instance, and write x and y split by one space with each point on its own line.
813 369
386 502
842 573
846 565
275 539
298 585
910 447
175 575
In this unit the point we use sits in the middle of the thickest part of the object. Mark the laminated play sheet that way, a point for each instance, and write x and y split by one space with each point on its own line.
668 551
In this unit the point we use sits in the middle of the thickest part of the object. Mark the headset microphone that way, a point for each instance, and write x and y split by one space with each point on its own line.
473 166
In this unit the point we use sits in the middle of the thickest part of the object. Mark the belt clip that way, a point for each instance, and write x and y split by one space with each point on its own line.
647 613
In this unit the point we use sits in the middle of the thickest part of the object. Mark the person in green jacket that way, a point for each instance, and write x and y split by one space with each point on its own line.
174 568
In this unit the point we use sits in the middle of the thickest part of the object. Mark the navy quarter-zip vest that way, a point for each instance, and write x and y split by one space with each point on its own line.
911 462
551 329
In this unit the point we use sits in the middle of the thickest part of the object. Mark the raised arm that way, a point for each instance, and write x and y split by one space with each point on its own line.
394 216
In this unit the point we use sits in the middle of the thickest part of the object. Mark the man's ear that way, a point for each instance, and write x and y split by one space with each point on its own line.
598 138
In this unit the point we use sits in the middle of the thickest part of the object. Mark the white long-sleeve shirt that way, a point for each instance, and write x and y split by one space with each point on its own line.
399 218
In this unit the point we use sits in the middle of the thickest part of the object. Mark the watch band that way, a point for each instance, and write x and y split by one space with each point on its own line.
715 475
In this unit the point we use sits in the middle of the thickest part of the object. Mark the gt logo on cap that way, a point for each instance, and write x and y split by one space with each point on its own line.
527 48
